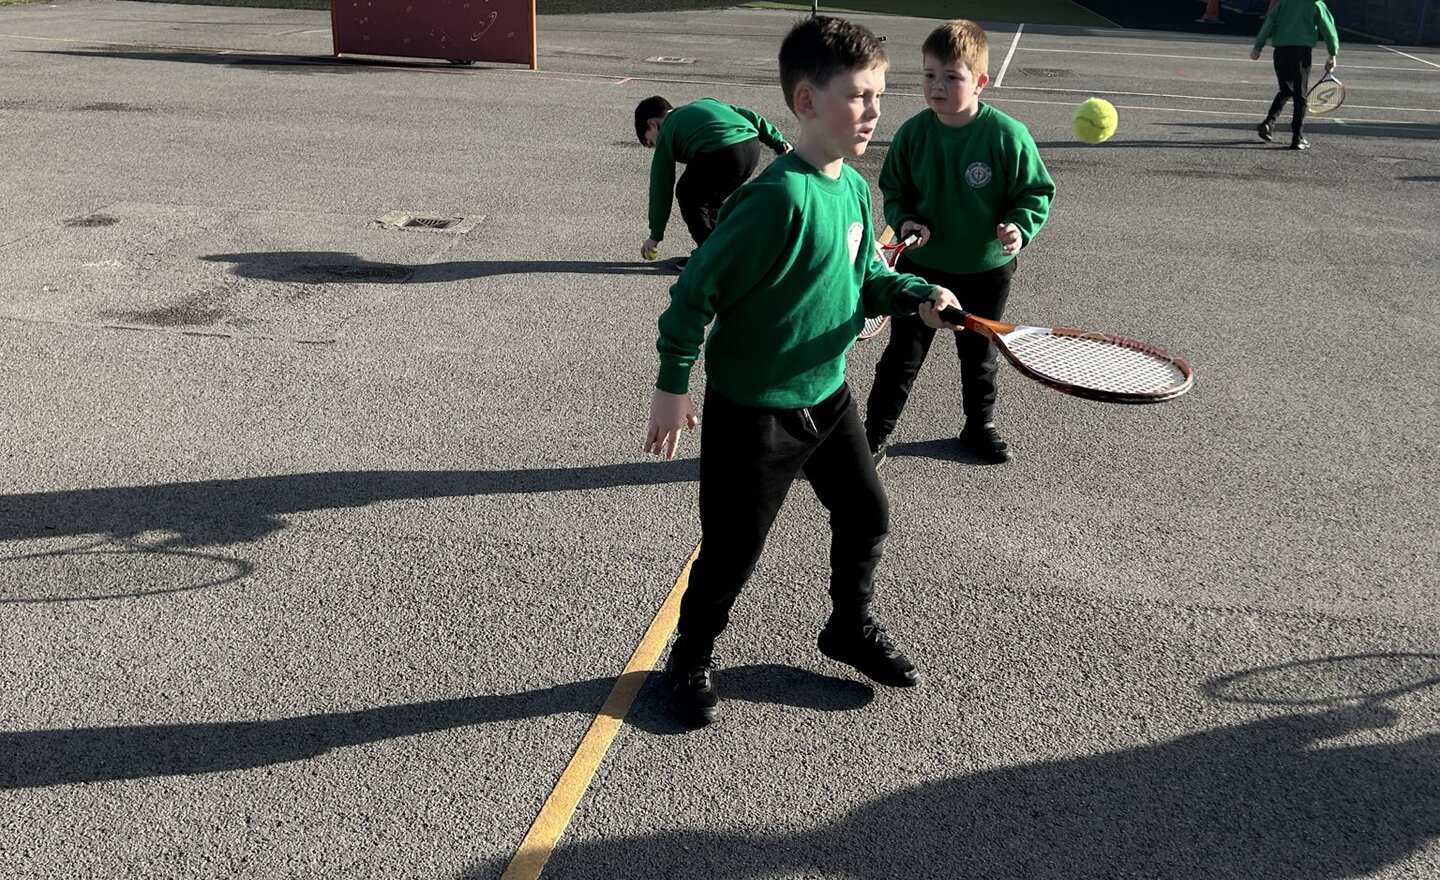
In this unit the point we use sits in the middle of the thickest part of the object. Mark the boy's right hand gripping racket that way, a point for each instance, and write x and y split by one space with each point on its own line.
1096 366
1327 95
890 253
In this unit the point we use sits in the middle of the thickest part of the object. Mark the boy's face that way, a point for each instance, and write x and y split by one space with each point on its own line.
839 119
951 87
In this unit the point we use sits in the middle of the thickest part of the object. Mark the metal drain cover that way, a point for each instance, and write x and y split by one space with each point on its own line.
429 222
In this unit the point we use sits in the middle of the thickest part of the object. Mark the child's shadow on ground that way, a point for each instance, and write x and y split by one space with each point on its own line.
67 756
941 449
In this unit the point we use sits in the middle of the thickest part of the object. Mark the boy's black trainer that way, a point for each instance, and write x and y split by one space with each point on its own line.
878 453
692 695
1265 130
1300 143
865 646
985 443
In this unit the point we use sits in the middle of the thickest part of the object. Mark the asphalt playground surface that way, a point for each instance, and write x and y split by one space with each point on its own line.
323 543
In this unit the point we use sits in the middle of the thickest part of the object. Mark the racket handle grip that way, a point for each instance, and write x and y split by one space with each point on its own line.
953 315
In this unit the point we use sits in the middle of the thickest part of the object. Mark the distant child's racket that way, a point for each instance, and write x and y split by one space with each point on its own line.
1327 95
890 253
1095 366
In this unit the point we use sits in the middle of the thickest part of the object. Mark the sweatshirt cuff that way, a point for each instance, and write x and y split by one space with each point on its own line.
673 379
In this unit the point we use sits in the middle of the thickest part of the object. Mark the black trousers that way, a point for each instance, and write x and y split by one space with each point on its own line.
1292 71
748 459
982 293
708 181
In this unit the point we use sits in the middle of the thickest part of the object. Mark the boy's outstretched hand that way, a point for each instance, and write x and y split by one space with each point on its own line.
940 299
1010 238
670 414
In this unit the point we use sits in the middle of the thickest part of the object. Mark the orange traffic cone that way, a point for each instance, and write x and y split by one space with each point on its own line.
1212 13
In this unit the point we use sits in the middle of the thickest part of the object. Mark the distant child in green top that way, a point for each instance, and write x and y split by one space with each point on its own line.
718 143
968 181
1294 25
785 285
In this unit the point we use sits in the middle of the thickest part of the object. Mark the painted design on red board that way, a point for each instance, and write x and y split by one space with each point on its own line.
455 30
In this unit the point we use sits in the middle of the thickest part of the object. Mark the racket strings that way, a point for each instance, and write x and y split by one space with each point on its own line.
1103 364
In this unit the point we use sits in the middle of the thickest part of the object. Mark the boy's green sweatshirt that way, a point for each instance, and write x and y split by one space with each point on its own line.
1299 23
788 277
962 183
699 127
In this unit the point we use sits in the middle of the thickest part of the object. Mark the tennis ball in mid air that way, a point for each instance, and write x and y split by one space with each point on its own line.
1095 120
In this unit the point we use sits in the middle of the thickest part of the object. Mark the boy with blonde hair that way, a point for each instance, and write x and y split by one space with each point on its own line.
785 284
969 182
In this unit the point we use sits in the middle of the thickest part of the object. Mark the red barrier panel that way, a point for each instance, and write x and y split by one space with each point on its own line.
453 30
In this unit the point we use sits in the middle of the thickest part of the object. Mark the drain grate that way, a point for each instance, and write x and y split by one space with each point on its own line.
429 222
670 59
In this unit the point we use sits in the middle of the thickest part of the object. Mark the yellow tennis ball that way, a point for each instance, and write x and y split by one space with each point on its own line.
651 253
1095 120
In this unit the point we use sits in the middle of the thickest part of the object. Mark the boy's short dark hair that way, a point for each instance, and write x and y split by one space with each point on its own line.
818 48
960 40
653 107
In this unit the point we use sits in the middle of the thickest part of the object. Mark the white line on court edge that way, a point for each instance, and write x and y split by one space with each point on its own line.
1000 78
1412 57
1185 98
1239 60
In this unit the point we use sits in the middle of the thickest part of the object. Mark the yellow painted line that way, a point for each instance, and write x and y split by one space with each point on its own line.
555 815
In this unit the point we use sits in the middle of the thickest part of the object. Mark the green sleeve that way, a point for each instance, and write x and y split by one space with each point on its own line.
887 292
770 136
1032 189
662 183
1265 31
750 236
1326 24
897 187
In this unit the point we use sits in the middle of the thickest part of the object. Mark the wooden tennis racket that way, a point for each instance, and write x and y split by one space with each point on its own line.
1326 96
1095 366
890 253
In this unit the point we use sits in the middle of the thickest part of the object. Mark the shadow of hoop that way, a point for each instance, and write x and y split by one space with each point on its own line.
1352 679
234 570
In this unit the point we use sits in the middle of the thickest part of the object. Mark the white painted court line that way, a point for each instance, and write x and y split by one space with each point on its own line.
1000 78
1238 60
1190 98
1412 57
1230 114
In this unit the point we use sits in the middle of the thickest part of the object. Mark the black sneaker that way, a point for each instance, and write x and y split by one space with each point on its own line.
681 261
1300 143
985 443
693 700
878 453
866 647
1264 130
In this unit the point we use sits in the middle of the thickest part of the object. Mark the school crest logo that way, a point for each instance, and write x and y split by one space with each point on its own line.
978 174
857 232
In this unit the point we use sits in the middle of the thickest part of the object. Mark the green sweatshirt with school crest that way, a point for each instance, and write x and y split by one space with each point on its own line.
785 284
962 183
699 127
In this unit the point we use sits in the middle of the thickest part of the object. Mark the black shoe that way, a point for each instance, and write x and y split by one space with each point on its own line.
865 646
1265 129
985 443
1300 143
692 695
681 261
878 453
